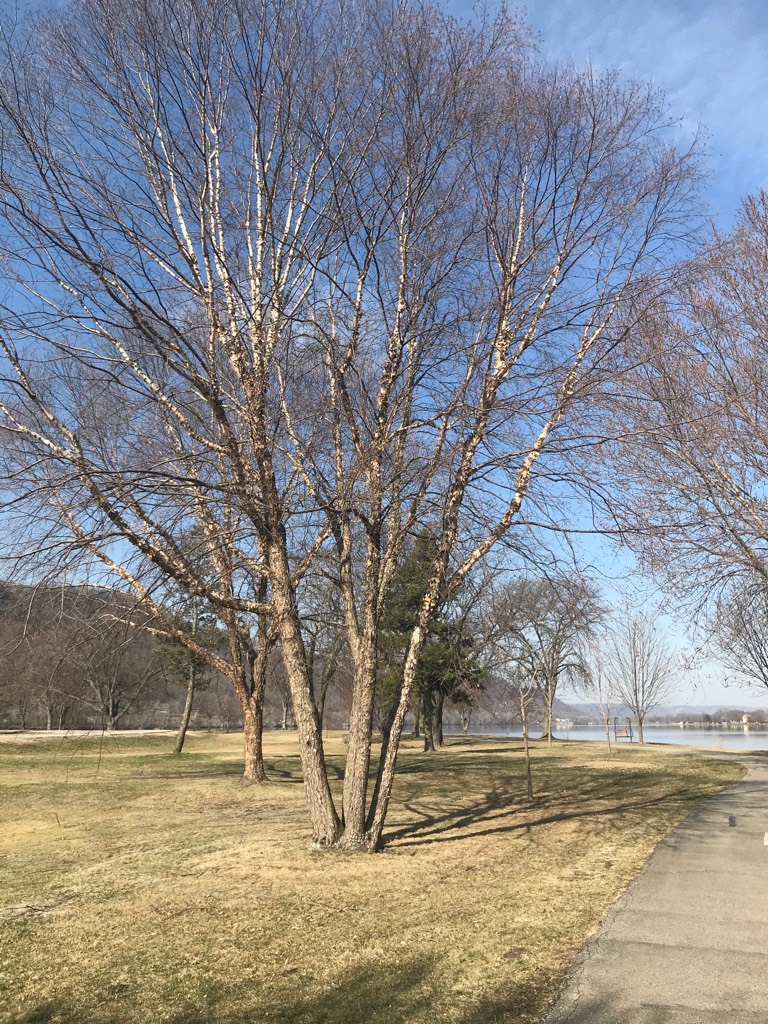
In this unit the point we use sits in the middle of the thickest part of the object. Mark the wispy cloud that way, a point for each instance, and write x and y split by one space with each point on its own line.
710 58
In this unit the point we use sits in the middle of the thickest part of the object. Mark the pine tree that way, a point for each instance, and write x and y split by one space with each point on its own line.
449 666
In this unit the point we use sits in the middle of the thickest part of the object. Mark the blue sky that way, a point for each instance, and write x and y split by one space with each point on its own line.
710 58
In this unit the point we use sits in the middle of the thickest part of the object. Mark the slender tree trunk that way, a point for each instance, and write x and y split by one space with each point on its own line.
358 761
386 735
428 722
326 826
321 705
257 663
416 734
48 717
437 729
640 736
549 700
184 724
284 718
466 717
526 748
607 721
253 730
111 715
329 671
377 813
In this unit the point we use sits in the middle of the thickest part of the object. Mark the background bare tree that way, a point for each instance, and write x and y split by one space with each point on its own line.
641 665
596 684
549 622
693 459
740 630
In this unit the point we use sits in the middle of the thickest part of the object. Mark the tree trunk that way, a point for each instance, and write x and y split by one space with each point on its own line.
48 717
437 729
184 724
284 719
546 731
386 775
258 668
640 736
528 772
466 716
607 720
358 763
416 734
253 730
428 721
321 705
326 826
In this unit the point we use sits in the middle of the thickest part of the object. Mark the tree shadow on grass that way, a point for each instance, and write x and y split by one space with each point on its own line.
369 993
498 812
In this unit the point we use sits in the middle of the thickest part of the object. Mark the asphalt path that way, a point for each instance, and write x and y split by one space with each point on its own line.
686 944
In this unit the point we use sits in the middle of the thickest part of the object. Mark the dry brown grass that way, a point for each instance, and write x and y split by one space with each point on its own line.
142 887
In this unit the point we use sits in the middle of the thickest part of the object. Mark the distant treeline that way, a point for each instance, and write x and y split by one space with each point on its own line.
76 657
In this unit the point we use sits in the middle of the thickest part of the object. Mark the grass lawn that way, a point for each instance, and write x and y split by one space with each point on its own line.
138 887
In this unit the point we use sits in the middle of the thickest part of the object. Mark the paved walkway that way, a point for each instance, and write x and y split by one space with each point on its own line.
688 942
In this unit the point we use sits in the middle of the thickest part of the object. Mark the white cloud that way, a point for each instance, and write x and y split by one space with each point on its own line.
710 58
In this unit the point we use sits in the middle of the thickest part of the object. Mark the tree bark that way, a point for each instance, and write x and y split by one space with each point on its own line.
640 736
546 731
416 734
466 717
528 771
253 729
184 724
326 826
437 729
358 762
428 721
386 775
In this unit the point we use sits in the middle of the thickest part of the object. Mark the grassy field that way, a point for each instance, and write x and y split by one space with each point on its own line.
142 887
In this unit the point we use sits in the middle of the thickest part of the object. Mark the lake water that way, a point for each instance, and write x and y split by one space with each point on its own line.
733 739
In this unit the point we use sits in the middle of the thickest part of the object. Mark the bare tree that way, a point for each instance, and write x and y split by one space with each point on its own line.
549 623
691 463
512 658
740 631
40 633
253 285
642 666
597 685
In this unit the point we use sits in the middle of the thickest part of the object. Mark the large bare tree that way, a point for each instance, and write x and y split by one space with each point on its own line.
304 275
692 461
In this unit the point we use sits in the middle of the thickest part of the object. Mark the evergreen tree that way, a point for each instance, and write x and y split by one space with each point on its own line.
449 666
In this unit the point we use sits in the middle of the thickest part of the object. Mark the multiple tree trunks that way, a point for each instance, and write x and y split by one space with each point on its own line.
259 330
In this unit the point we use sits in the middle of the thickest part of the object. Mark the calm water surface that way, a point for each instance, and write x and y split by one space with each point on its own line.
734 739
